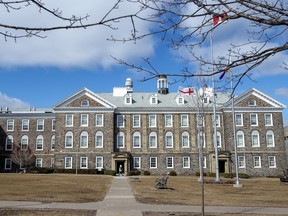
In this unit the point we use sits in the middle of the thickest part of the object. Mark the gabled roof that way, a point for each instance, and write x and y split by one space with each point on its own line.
272 102
88 93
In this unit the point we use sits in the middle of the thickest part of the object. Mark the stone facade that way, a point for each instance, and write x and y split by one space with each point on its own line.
76 145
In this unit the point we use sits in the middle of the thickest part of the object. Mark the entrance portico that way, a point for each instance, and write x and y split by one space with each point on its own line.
123 159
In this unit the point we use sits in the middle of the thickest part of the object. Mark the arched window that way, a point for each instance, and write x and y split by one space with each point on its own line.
24 142
185 140
53 143
9 143
255 139
240 139
39 142
201 139
69 140
169 140
99 139
136 140
252 102
85 103
84 139
153 140
270 139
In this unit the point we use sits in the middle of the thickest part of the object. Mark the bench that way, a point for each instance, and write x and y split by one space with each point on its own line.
162 183
284 179
134 178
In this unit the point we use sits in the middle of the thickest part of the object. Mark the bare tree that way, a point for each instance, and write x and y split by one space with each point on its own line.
23 157
182 24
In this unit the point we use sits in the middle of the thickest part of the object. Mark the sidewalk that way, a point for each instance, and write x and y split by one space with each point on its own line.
121 201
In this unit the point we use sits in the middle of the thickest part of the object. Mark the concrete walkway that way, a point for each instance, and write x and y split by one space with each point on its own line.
121 201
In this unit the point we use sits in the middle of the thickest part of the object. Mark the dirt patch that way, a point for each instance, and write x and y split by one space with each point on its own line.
46 212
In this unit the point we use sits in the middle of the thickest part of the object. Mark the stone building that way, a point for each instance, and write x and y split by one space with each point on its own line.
159 132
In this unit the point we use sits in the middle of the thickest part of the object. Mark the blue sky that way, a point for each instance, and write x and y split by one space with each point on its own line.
42 72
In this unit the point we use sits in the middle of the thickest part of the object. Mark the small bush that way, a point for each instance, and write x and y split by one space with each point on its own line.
173 173
134 173
146 173
110 172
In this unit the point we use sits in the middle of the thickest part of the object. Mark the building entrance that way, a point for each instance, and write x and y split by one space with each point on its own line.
222 166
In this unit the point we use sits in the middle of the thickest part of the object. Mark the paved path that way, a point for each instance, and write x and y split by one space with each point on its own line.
121 201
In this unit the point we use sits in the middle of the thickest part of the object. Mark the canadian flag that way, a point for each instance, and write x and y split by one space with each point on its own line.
219 18
188 90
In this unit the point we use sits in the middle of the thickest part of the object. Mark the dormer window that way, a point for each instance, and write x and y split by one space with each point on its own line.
252 102
84 103
128 99
153 99
180 100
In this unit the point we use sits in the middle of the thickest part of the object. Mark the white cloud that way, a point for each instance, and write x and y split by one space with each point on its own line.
6 101
283 92
84 48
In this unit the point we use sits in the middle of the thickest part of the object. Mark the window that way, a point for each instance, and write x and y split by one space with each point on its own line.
9 143
270 139
68 162
120 121
40 125
39 143
84 139
268 119
238 119
240 139
99 139
152 120
25 125
136 120
10 125
99 120
168 121
38 162
83 162
257 161
137 162
99 162
136 140
255 139
272 161
52 162
169 140
185 140
153 99
218 139
252 102
186 162
180 100
24 142
69 140
128 99
69 120
153 140
201 139
241 162
169 162
53 143
217 120
8 164
53 124
184 121
200 121
120 140
204 162
84 120
153 162
85 103
253 119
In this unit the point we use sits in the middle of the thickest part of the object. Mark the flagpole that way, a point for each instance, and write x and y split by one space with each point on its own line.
237 183
217 179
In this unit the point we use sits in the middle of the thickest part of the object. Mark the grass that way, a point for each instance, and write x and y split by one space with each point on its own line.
54 188
265 192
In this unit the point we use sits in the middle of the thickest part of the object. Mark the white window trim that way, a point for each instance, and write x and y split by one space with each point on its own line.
8 164
150 162
182 116
118 121
254 160
122 135
189 162
273 139
37 161
265 116
102 162
82 118
133 121
150 121
25 120
10 122
256 116
188 136
72 138
99 133
66 120
155 135
243 136
241 117
86 144
244 160
38 124
169 134
9 137
167 160
40 137
167 118
136 134
274 159
102 120
258 139
85 166
134 164
70 159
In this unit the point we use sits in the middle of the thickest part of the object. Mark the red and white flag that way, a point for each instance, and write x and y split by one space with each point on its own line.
219 18
187 91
